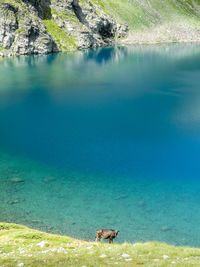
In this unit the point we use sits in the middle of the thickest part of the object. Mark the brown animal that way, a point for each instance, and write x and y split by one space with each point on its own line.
103 233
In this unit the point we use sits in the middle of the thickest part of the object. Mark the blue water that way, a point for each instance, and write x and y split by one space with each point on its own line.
105 138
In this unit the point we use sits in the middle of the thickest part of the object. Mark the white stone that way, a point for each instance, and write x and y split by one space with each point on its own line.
41 244
103 256
128 259
165 257
45 251
20 264
90 247
60 250
124 255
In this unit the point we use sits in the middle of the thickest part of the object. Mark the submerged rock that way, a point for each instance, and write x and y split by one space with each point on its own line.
141 203
16 180
120 197
16 201
49 179
165 228
36 221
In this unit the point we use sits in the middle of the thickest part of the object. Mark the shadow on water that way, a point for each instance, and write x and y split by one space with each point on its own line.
118 125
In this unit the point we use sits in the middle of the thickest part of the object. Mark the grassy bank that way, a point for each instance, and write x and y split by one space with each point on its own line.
21 246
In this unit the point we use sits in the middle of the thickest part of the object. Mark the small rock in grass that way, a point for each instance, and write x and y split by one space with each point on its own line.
20 264
16 180
128 259
103 256
60 250
173 262
90 247
125 255
165 257
41 244
45 251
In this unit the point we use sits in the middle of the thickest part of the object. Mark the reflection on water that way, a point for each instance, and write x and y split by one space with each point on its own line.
118 125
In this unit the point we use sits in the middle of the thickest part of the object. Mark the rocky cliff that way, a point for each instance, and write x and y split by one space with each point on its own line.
45 26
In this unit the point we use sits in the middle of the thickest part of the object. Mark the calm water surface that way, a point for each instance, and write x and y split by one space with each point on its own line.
106 138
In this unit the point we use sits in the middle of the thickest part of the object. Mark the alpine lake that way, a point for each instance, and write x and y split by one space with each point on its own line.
104 138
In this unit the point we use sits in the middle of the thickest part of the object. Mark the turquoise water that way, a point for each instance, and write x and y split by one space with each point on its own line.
106 138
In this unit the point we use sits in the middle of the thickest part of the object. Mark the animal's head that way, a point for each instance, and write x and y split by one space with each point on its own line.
116 232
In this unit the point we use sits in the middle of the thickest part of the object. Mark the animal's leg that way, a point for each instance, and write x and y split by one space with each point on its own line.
98 238
111 240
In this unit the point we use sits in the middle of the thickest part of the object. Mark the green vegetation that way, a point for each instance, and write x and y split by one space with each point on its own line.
2 48
65 41
21 246
138 14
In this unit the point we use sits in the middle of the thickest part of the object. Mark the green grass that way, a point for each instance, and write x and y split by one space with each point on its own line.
66 42
143 13
19 244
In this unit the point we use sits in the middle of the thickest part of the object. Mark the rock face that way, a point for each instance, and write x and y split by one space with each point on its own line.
45 26
22 33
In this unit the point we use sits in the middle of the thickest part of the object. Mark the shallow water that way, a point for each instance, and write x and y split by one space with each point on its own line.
106 138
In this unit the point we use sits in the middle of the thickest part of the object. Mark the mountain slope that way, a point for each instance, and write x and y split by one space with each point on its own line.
45 26
152 21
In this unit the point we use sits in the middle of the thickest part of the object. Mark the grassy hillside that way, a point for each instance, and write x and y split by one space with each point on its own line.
149 13
152 21
21 246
